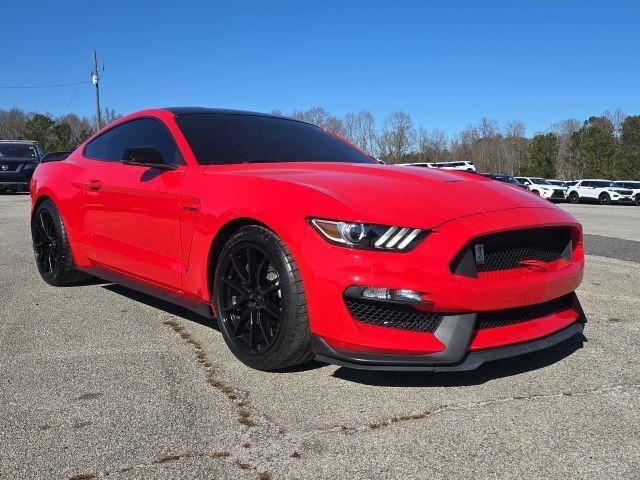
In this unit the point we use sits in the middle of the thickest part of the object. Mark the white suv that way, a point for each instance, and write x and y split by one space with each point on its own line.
542 187
601 191
633 186
462 166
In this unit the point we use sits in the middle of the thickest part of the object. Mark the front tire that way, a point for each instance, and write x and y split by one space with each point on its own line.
51 248
574 198
604 199
260 301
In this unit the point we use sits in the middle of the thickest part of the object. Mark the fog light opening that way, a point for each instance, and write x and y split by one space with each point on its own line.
389 294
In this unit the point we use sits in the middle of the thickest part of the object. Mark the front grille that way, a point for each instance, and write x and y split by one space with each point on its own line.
557 194
393 315
508 250
9 166
513 316
624 192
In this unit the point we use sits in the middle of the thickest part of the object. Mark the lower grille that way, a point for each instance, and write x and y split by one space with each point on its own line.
513 316
557 194
393 315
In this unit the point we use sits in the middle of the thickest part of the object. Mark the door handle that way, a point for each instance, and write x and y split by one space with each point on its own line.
93 185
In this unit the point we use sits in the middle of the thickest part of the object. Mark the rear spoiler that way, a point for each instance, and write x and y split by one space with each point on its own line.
54 157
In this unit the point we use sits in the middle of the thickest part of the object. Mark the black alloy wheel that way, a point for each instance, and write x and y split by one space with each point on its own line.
250 303
45 242
605 199
260 301
52 249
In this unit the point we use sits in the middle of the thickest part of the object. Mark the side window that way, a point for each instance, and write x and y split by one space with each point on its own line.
97 147
144 132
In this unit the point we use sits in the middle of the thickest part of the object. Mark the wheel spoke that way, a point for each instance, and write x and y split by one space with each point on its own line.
235 306
251 335
244 316
238 288
238 270
271 289
251 267
271 311
264 327
50 259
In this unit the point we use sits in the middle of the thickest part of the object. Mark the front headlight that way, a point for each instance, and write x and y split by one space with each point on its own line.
369 236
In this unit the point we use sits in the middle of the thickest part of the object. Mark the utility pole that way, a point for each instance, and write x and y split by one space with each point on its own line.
95 78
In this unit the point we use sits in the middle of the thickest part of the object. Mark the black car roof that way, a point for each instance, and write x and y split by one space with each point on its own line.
194 110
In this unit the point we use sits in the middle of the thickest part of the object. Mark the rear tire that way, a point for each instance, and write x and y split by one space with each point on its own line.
574 198
51 248
260 301
604 199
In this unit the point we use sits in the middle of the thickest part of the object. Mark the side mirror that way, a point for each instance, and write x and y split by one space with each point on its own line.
145 157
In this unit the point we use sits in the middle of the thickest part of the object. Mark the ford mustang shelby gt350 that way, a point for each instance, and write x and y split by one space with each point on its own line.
301 245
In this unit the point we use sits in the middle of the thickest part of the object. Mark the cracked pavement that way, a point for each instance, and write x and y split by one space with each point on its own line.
102 381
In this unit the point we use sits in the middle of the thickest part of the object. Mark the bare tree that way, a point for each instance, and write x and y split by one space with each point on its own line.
396 138
514 147
431 144
319 116
616 118
563 130
360 129
11 123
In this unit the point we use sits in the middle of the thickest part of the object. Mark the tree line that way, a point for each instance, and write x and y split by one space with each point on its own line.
604 146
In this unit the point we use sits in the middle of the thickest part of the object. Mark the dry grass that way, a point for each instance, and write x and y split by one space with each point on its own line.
220 454
170 458
243 465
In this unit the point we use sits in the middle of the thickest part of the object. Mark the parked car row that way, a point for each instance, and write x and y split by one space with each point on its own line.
600 191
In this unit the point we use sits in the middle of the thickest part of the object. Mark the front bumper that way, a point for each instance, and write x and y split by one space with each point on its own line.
457 333
15 180
623 199
328 270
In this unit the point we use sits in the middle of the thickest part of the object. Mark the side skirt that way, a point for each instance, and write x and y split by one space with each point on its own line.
198 306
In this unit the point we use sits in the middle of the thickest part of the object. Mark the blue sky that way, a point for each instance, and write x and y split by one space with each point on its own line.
447 63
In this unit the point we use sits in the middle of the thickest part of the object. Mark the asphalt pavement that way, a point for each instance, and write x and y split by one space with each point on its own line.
102 381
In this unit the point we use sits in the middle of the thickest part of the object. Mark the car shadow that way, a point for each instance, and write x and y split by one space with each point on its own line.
489 371
163 305
191 316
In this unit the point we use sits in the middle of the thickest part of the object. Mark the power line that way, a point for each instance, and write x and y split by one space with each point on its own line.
54 85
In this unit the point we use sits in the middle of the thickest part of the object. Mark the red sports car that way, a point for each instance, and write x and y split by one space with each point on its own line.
301 245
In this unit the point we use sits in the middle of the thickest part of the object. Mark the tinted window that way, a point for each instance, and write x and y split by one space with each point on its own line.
218 138
144 132
17 150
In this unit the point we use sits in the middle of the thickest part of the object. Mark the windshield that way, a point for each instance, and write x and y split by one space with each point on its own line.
17 150
218 138
606 184
506 179
633 185
540 181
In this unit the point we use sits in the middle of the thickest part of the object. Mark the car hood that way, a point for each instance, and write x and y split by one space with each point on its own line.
410 196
